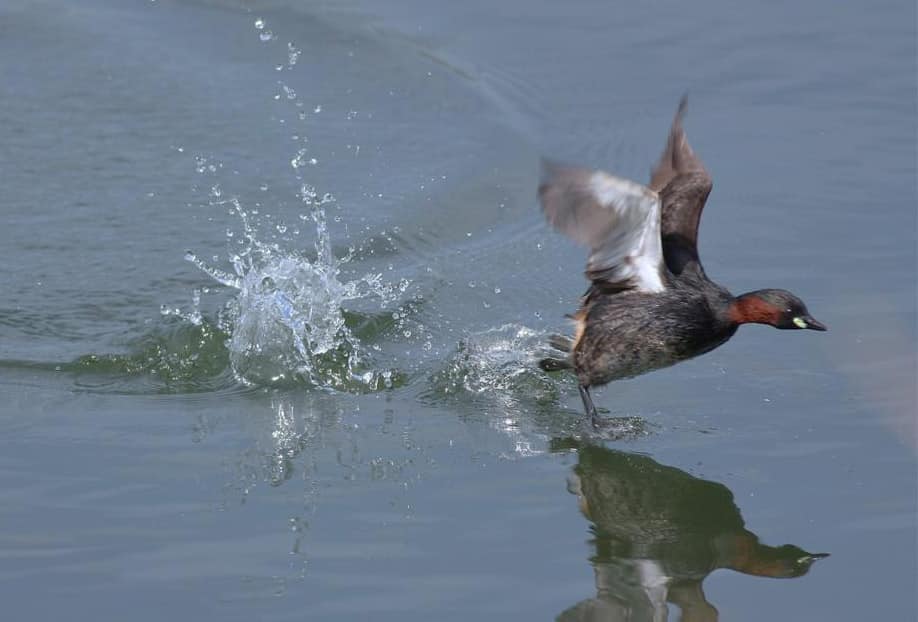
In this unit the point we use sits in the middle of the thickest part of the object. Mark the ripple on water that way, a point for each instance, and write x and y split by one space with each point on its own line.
176 356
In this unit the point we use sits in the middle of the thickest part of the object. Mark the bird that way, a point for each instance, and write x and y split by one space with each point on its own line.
649 304
659 532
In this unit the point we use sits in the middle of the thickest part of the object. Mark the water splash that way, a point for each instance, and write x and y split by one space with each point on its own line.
287 322
499 362
193 317
496 372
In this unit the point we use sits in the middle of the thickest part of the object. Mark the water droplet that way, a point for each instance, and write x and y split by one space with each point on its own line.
293 54
297 162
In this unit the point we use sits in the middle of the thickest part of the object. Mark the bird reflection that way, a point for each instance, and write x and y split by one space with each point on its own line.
658 533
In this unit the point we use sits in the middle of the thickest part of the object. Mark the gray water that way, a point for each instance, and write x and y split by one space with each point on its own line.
274 281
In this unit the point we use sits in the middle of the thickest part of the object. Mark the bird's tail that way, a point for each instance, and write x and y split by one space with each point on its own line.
563 344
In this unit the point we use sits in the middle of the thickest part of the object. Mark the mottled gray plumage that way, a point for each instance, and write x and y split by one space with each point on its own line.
630 333
650 304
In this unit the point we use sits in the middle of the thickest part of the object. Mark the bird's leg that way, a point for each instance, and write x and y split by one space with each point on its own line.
588 405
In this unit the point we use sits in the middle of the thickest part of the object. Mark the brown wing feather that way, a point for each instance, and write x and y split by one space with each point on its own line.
684 185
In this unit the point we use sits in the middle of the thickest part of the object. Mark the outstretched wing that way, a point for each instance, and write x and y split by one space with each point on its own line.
619 221
684 186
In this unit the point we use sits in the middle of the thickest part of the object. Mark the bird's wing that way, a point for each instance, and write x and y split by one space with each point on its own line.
684 186
619 221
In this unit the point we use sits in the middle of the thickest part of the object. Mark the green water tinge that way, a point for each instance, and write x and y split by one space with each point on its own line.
177 357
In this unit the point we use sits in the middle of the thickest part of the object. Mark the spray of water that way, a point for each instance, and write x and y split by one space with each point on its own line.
286 323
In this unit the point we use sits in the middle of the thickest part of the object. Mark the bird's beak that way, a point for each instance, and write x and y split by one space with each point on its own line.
813 324
811 557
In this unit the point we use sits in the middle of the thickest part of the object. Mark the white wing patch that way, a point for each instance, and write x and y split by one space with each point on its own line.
618 219
634 241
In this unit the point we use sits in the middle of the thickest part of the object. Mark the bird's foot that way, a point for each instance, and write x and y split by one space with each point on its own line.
611 428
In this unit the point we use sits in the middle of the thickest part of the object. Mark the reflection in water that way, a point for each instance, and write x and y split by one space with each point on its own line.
659 532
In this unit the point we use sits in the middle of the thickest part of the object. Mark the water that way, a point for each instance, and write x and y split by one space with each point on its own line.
275 281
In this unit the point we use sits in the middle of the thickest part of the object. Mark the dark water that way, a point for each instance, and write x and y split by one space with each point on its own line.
336 412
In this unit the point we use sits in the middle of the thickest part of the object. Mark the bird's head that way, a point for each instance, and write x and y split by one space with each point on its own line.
776 307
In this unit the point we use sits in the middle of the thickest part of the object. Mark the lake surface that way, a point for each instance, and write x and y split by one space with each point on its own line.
275 281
